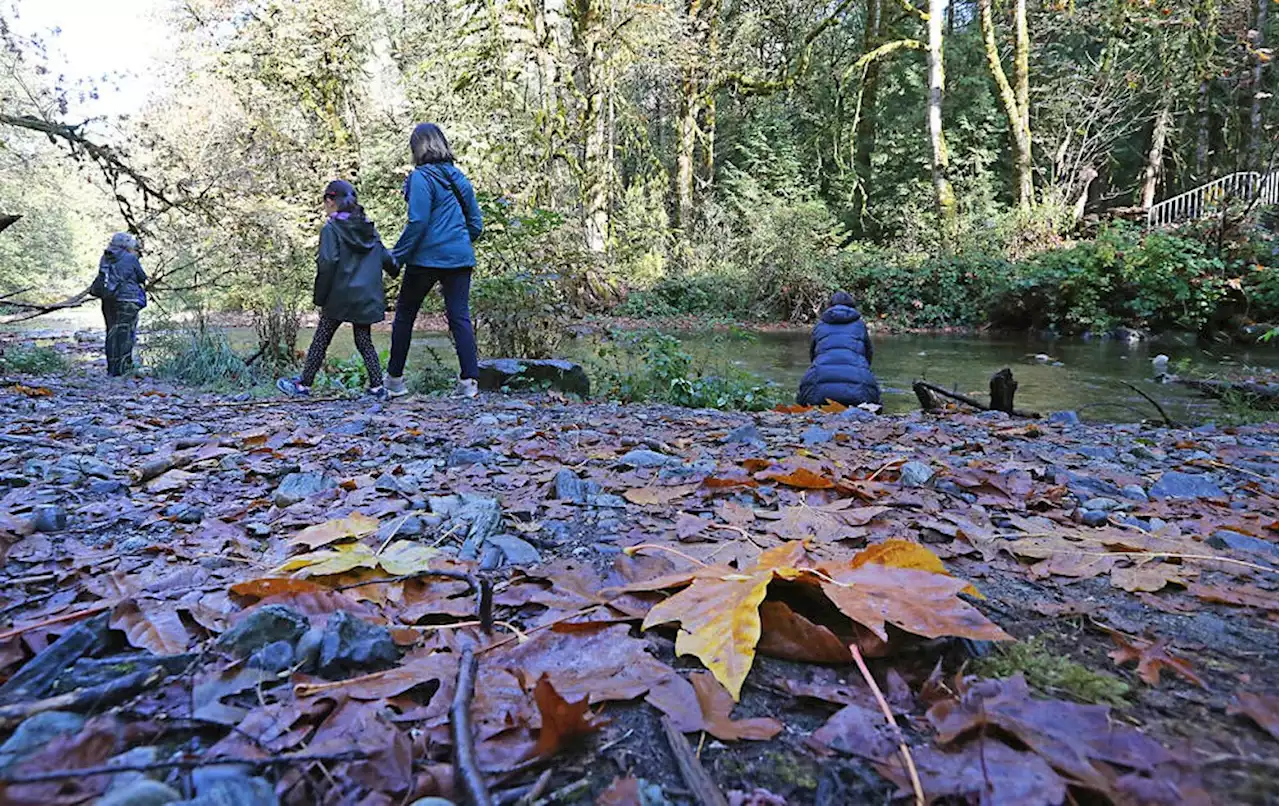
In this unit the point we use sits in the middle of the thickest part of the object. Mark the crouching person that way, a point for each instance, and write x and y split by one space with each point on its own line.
840 356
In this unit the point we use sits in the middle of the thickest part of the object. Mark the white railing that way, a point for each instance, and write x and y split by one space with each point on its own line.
1246 186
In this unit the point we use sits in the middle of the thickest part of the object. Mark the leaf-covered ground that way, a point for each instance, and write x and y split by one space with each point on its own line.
1052 612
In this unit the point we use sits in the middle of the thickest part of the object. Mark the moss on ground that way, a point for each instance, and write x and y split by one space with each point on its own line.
1052 673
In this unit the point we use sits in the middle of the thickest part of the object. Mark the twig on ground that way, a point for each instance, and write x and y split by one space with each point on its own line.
565 793
539 787
695 776
14 439
465 767
99 696
65 617
907 760
182 764
1164 416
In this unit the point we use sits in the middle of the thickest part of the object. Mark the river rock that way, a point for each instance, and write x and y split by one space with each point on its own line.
1085 487
36 677
606 501
146 754
642 458
184 513
747 434
108 487
307 653
1178 485
461 457
141 792
1065 418
49 518
915 474
35 732
262 626
1134 492
297 487
275 657
566 376
816 435
515 550
1102 504
230 785
1227 539
1091 517
476 516
569 487
350 645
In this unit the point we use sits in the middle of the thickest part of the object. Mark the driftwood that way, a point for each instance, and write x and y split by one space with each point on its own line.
1003 387
466 768
1259 395
1163 415
85 699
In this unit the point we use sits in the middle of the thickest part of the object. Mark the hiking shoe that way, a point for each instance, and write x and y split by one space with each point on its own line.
293 387
395 386
376 392
467 387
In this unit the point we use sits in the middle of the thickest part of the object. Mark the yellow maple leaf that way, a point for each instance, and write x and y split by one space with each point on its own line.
357 524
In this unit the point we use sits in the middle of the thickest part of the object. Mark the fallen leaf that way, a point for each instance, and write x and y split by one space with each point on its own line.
407 557
905 554
984 771
31 391
1240 595
789 635
322 534
858 731
791 408
690 526
333 560
1150 577
1151 657
833 407
658 496
824 523
716 704
154 627
169 481
561 720
274 586
801 477
1263 710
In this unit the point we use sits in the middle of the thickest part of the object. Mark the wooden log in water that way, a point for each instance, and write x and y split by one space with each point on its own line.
1259 395
1003 387
924 387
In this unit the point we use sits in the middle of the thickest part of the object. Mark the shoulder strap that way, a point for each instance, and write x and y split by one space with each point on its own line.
457 194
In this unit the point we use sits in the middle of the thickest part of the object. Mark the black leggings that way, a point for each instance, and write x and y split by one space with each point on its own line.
320 344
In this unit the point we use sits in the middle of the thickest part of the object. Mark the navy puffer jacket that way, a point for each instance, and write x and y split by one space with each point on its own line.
840 350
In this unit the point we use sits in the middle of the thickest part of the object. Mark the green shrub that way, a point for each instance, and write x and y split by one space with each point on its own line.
655 367
434 377
198 356
520 315
32 359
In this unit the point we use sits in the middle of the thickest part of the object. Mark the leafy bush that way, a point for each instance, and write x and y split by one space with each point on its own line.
652 366
434 377
198 356
32 359
520 315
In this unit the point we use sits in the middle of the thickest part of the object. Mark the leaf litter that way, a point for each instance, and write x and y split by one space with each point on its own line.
719 594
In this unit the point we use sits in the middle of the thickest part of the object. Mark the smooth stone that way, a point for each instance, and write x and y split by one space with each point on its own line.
461 457
141 792
606 501
297 487
569 487
1102 504
1134 492
351 645
1227 539
1097 451
516 551
184 513
745 434
351 428
857 415
276 656
147 754
814 435
262 626
1085 487
951 488
1092 518
478 517
307 653
50 518
1177 485
1065 418
647 459
915 474
232 789
108 487
37 731
133 545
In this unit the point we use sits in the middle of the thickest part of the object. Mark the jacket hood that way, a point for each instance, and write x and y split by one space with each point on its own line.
111 255
840 315
357 233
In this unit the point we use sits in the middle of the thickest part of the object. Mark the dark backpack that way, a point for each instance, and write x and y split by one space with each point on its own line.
106 283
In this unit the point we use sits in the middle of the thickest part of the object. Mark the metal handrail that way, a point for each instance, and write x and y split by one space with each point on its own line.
1199 202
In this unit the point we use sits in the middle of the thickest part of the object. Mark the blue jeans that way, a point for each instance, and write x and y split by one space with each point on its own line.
455 284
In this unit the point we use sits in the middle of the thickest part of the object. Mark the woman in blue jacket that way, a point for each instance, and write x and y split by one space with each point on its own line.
840 350
436 247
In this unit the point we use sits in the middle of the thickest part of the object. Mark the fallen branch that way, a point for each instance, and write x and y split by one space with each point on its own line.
41 310
103 695
466 769
1164 416
903 750
65 617
1261 395
968 401
695 776
183 764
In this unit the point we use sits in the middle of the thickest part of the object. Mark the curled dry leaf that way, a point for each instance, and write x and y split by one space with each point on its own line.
716 706
1152 657
787 634
1239 595
1150 577
858 731
658 496
274 586
356 524
985 771
153 626
801 477
1263 710
400 558
561 719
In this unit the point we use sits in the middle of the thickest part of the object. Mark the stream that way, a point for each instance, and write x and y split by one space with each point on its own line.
1085 376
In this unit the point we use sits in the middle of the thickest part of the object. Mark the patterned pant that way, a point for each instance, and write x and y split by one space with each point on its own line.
320 344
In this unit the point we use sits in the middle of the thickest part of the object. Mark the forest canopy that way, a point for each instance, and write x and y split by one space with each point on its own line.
666 149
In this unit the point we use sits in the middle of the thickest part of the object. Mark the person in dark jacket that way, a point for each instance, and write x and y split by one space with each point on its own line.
840 356
121 282
349 267
435 247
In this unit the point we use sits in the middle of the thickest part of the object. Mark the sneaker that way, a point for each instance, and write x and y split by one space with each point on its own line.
293 387
395 386
467 387
376 392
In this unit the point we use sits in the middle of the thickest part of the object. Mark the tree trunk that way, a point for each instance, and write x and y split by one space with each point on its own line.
1254 151
1014 98
1155 156
686 153
586 28
1201 166
944 196
864 131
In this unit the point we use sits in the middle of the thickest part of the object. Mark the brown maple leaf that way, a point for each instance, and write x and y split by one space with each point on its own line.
1152 657
717 704
561 720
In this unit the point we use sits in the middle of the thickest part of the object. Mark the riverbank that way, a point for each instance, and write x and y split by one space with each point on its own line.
183 515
